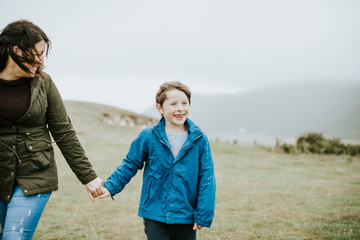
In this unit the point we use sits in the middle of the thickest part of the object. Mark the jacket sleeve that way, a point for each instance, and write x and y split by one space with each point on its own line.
128 168
62 131
205 209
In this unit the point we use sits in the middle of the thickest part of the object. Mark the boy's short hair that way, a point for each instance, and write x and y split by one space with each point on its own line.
160 96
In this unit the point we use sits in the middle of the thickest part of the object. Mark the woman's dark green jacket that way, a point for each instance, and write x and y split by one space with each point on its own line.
26 152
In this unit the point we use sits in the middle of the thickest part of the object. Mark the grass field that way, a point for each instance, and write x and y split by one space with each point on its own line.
261 194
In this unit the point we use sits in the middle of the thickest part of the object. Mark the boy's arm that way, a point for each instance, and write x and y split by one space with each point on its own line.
129 166
205 209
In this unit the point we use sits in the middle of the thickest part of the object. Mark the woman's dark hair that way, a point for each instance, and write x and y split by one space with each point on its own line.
24 35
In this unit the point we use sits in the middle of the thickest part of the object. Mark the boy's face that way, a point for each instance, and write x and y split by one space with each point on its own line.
175 110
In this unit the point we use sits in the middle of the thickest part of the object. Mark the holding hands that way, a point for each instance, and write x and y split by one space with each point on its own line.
105 193
95 188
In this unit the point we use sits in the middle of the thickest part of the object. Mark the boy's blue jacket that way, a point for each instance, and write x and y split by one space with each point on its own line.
174 191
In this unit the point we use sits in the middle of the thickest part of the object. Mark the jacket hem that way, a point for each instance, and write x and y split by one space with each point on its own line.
168 220
38 190
203 223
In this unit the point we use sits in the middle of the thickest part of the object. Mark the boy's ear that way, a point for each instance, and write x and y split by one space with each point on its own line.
159 108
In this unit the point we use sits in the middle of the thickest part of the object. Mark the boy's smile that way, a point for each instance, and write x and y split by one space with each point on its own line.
175 110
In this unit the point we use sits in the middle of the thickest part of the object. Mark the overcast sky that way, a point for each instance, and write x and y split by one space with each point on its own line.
118 52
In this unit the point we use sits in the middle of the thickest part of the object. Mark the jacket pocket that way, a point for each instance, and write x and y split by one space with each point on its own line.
41 153
148 193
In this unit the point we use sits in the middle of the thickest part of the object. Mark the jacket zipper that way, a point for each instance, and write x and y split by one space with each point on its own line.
191 142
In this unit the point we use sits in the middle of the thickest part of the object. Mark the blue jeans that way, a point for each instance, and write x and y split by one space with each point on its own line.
19 217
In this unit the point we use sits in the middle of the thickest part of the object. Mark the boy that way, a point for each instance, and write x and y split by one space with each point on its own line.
178 192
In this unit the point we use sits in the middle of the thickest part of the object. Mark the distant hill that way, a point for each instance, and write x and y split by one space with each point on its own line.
330 108
346 123
85 111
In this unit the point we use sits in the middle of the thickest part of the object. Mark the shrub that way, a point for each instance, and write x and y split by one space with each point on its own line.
288 148
335 146
353 150
316 143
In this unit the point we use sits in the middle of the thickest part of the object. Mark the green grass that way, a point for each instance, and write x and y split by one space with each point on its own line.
260 194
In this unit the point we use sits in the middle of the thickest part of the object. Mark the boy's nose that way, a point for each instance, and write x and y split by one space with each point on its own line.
180 108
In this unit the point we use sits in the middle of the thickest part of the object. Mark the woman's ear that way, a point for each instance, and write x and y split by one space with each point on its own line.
17 51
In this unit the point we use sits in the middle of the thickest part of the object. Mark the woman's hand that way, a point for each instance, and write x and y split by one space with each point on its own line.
94 188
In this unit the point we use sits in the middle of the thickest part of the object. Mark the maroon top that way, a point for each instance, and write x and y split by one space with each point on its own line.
14 98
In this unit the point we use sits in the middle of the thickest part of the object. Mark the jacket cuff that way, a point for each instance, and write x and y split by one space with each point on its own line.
89 178
111 190
202 223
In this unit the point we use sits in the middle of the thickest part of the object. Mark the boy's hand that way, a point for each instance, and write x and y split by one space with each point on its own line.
197 227
105 193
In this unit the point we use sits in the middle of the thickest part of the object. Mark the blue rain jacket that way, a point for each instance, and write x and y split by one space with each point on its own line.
177 190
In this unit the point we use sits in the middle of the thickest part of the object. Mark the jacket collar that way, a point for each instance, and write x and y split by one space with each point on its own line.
35 85
193 131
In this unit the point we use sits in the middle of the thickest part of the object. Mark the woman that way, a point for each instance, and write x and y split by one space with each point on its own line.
31 108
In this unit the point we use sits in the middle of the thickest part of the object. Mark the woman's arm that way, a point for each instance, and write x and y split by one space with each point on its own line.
62 131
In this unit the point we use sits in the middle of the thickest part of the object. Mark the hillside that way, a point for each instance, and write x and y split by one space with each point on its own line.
107 114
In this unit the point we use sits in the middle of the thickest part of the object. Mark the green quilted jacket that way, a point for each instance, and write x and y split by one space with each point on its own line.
26 152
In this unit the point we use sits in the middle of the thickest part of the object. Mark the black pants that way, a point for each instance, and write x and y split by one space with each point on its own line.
161 231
